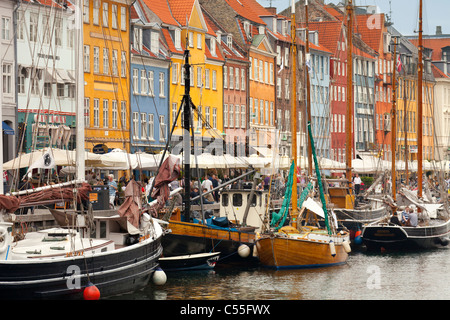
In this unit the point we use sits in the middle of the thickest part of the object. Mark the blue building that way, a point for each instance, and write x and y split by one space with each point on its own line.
364 99
149 92
320 103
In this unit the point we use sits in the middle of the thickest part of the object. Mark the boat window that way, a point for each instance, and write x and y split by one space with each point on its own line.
237 200
255 197
225 199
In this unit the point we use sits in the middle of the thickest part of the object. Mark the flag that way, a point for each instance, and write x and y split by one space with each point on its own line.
308 62
399 64
47 161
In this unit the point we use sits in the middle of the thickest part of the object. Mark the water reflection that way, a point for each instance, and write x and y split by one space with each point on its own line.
390 276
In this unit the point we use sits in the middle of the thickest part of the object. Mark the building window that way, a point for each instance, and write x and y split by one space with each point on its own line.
162 127
136 125
243 120
123 64
105 61
144 82
21 83
144 134
199 77
271 114
114 16
96 60
161 85
207 72
105 113
231 81
175 73
34 18
174 113
96 12
214 118
123 18
105 14
225 115
151 126
237 75
87 59
47 89
86 11
114 114
231 116
237 114
96 113
151 83
214 80
199 41
5 28
154 46
225 77
115 70
87 118
7 78
135 81
123 111
58 31
207 116
60 89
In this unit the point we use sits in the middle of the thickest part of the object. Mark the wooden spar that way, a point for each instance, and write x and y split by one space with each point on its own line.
349 114
419 108
405 123
186 137
308 88
394 123
294 116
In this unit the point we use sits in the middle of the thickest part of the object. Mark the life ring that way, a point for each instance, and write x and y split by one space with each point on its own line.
3 243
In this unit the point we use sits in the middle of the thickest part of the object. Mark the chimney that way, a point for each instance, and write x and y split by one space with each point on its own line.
272 10
438 30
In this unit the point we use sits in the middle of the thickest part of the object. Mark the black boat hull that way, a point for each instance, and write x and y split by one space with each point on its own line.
394 237
122 271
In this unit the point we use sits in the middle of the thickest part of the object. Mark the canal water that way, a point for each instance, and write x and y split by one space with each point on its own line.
366 276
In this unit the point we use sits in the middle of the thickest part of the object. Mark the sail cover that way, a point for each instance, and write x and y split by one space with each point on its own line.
169 171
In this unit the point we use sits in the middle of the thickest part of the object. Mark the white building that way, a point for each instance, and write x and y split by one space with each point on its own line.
8 65
45 74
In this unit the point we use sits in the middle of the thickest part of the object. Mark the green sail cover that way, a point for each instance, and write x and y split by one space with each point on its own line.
279 218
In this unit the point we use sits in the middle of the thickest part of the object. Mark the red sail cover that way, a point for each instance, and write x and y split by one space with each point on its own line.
169 171
131 207
52 195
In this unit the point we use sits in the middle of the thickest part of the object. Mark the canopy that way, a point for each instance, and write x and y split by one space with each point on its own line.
61 158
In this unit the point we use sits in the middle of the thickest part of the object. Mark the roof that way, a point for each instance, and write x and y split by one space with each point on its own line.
248 9
437 73
162 10
436 44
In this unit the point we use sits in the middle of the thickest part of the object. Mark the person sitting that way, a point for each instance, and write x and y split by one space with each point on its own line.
405 215
394 219
194 194
207 198
412 219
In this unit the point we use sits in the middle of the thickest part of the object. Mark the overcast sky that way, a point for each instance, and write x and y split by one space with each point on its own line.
405 13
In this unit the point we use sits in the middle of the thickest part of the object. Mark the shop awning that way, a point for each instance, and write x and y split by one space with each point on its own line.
6 128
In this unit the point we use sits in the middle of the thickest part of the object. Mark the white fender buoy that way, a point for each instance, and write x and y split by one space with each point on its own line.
244 251
346 246
332 249
159 277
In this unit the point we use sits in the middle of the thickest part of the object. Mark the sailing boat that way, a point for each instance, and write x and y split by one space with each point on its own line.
188 235
433 226
304 243
67 263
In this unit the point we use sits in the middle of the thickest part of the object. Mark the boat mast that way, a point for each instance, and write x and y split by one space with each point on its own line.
348 120
186 133
294 116
394 123
419 108
405 125
308 86
80 91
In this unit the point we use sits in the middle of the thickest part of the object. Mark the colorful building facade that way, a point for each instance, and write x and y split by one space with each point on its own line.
106 32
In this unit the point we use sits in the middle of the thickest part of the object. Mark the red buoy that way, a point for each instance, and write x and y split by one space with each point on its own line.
91 292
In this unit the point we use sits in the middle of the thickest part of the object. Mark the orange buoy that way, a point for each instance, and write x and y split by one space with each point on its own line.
91 292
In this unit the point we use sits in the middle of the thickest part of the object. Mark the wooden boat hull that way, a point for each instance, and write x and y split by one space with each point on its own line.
393 237
201 261
288 253
192 238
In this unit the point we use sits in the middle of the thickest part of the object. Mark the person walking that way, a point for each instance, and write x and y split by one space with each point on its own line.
112 190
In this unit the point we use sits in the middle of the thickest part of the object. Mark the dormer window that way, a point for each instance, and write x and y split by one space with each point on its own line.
137 39
213 46
178 38
154 46
229 40
261 29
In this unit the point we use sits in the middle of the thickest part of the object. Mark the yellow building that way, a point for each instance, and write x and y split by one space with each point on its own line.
206 70
106 57
407 120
